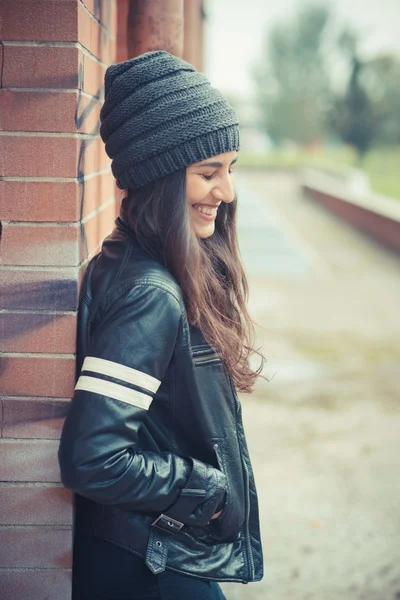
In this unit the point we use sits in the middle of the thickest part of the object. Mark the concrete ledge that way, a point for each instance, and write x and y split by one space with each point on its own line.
353 201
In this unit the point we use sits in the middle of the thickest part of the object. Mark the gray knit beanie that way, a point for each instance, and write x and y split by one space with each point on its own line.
160 115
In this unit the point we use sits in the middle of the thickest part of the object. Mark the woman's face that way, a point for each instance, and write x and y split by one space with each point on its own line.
208 183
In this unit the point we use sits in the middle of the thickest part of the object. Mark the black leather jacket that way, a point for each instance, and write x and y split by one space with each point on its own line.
153 444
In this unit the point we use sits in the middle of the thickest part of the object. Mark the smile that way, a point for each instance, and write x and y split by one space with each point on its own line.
208 212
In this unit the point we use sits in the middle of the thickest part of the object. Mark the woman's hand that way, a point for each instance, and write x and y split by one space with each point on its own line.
220 506
216 515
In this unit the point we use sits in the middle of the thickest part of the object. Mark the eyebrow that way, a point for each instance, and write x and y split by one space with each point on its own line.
216 164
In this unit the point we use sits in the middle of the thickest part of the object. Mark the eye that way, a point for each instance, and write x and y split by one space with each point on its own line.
208 177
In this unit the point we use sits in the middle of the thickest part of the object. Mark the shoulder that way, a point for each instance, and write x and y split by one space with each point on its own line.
148 279
123 269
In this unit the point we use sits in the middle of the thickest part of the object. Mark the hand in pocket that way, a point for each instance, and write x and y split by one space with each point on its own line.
218 514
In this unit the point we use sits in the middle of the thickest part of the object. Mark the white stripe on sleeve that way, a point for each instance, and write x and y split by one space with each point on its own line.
113 369
114 391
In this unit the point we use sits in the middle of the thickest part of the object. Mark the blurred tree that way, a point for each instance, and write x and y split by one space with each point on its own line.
297 99
381 79
355 117
291 80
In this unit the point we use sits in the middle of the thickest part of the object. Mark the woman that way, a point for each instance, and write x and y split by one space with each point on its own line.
153 444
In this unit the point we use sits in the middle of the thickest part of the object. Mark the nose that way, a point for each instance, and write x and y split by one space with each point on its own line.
224 189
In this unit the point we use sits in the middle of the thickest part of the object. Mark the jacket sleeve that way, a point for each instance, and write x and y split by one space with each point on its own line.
129 353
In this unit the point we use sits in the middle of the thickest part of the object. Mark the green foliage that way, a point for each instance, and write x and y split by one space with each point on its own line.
298 100
292 83
354 116
382 164
381 79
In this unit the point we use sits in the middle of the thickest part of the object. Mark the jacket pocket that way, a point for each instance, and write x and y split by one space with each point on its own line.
226 527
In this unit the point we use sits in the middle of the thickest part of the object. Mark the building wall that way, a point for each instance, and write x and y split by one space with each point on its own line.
57 202
193 36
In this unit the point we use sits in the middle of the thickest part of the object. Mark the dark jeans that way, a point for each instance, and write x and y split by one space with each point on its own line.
103 571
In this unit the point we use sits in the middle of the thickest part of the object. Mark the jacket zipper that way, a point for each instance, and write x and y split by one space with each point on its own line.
202 355
247 486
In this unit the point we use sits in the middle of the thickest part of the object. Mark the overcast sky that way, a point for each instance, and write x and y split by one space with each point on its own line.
235 29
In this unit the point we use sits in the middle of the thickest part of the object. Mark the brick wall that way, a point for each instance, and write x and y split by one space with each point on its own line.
193 32
56 205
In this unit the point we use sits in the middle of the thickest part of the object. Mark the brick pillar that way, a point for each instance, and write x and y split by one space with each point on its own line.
56 205
193 33
122 30
155 25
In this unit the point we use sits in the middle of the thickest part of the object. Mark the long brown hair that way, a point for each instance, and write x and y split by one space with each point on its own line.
209 271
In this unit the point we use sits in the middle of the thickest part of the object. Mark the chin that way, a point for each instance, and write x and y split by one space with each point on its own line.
204 232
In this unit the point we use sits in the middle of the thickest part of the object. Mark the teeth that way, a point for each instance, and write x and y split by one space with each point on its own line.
206 210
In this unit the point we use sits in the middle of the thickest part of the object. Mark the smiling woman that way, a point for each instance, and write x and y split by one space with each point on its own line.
153 445
207 185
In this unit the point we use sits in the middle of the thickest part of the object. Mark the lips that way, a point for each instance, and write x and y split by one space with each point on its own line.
206 210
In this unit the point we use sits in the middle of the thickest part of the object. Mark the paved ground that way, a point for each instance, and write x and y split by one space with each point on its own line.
324 433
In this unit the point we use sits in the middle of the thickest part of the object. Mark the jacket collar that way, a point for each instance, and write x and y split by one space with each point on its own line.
122 226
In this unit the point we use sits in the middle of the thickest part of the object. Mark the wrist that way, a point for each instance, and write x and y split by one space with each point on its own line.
221 504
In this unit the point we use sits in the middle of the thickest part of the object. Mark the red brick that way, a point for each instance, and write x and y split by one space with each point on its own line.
97 228
89 160
35 547
111 53
101 43
42 66
119 195
38 156
44 156
95 38
29 460
48 332
40 288
55 201
95 7
87 114
40 201
41 20
37 376
33 418
63 245
1 52
82 272
84 20
93 76
122 30
40 584
35 504
112 25
49 245
97 190
92 156
105 12
55 112
102 159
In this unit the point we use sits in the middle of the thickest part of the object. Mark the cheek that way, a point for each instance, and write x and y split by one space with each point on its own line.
196 190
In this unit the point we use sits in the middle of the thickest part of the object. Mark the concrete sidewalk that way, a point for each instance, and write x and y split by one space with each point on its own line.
324 433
